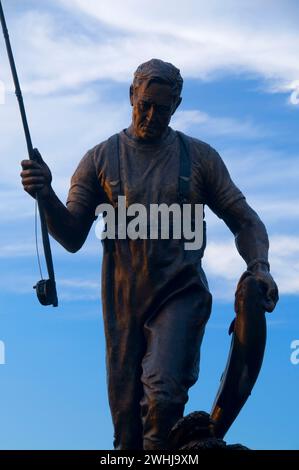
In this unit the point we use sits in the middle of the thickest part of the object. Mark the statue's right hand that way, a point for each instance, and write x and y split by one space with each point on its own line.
36 177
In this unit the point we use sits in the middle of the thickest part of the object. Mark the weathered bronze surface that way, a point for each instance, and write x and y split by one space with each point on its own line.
156 300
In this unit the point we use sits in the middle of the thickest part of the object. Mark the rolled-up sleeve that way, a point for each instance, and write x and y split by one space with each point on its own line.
85 189
220 190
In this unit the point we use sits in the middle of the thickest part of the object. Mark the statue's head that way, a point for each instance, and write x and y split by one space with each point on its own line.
155 96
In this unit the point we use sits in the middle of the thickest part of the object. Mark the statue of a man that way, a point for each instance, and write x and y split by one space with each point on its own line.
156 300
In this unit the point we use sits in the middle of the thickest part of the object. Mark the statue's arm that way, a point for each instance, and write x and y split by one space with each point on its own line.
69 224
228 202
250 233
252 244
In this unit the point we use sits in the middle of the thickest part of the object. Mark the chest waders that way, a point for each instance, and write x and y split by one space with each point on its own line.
152 343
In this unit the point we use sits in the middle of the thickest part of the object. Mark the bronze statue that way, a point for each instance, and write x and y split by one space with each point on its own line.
156 300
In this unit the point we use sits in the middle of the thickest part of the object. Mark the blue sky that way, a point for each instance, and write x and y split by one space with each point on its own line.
76 58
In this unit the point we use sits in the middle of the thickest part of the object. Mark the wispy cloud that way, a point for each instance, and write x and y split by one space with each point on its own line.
107 40
65 61
217 37
201 122
224 266
70 289
14 205
72 124
17 250
79 289
79 284
271 167
278 210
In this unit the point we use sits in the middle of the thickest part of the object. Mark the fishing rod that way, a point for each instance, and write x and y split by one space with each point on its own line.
46 288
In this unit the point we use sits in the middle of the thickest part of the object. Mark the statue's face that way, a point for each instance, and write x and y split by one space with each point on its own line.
153 104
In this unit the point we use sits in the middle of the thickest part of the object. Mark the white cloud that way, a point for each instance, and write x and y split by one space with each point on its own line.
79 289
278 210
268 178
63 128
15 205
17 250
61 63
204 39
224 266
70 290
202 122
79 284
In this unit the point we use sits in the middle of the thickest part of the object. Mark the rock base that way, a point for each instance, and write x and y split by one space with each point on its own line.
195 432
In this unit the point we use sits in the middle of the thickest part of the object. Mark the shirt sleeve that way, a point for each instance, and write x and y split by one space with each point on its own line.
85 189
221 192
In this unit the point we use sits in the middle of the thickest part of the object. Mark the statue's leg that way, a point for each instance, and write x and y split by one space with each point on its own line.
245 357
125 392
125 348
171 363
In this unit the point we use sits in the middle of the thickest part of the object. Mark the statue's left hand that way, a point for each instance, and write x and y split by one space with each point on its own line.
268 286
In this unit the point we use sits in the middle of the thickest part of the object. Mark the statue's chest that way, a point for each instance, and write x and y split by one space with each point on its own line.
149 177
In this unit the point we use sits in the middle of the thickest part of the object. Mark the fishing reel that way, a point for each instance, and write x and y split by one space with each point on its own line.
46 292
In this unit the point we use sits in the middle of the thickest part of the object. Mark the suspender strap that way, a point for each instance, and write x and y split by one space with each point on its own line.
185 180
185 170
115 174
114 168
115 183
184 177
